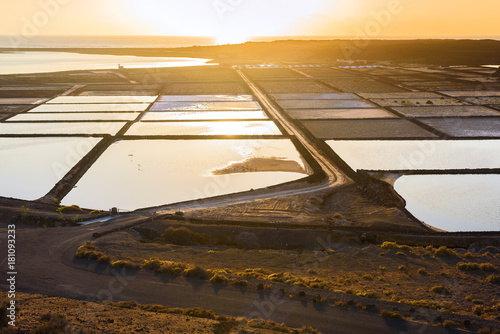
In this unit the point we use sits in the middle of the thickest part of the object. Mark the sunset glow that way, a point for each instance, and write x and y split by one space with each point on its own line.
236 21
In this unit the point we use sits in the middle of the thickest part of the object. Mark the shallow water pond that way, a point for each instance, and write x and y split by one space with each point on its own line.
312 96
61 128
104 107
102 99
202 115
339 113
37 117
418 154
134 174
325 104
453 202
212 106
32 166
216 128
204 98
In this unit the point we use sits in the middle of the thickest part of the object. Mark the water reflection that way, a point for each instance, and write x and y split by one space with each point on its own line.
418 154
32 166
124 107
203 115
453 202
204 98
102 99
223 128
144 173
60 128
36 117
212 106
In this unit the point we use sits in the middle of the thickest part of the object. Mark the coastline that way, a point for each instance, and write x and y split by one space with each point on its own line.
431 52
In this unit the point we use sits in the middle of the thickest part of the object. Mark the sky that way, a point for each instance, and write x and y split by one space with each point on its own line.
238 20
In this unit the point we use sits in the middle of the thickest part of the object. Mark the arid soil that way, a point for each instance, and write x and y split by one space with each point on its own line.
85 317
428 284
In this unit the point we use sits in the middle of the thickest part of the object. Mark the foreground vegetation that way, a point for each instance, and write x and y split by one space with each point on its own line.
67 316
460 284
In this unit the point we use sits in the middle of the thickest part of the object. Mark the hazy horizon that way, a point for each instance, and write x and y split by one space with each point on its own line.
237 21
145 41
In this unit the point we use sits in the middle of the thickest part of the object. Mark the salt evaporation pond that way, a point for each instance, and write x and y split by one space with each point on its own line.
205 98
144 173
222 128
203 115
102 99
212 106
418 154
58 117
61 128
104 107
453 202
32 166
447 202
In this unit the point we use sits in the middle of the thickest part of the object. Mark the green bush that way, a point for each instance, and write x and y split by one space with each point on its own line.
467 266
366 294
104 259
184 236
196 271
468 255
423 303
153 264
240 282
495 279
389 245
389 314
487 267
441 289
444 251
394 245
125 264
219 278
69 209
88 251
422 272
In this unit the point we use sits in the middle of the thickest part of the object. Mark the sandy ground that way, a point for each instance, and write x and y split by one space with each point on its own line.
404 276
114 318
344 207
